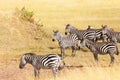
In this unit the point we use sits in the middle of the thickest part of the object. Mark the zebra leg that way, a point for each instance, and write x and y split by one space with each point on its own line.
95 39
117 51
62 52
54 70
112 59
73 51
95 57
36 73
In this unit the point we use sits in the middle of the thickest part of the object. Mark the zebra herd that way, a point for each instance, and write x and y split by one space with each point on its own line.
98 41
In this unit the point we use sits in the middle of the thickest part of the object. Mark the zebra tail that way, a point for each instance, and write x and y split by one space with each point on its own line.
61 66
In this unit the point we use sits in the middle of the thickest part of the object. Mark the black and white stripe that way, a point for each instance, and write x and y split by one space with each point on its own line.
64 42
52 61
89 33
101 48
111 34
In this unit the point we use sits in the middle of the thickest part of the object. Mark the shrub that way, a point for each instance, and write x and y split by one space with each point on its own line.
27 15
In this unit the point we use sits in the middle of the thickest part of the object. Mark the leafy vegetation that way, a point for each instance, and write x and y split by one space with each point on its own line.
27 15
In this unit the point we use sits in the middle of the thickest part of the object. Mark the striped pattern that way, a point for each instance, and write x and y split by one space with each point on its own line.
111 35
89 33
101 48
51 61
64 42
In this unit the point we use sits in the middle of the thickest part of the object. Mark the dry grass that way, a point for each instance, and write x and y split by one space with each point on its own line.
16 37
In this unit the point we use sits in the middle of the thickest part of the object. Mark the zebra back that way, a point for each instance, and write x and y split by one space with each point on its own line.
41 61
69 40
91 34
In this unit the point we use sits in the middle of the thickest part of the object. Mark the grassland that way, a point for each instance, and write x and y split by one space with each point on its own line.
17 37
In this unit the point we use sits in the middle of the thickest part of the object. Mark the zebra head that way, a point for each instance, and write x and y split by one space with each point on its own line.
26 58
69 29
56 35
106 29
22 62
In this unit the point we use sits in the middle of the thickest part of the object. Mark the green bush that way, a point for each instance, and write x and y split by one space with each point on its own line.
26 15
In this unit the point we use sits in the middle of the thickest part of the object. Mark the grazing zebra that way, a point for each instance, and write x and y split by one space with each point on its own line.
101 48
64 42
51 61
92 34
111 34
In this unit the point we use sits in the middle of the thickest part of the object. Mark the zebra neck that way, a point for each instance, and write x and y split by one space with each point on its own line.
73 31
110 33
29 59
60 39
89 44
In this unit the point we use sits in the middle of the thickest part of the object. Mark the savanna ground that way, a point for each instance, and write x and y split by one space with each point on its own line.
18 36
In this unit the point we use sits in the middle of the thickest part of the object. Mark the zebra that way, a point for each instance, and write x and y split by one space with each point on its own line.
111 34
50 61
101 48
92 34
64 42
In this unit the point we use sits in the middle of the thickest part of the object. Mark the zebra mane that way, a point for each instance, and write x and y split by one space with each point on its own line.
72 27
55 31
31 54
107 27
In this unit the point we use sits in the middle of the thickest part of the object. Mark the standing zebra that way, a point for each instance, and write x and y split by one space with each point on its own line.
89 33
51 61
111 34
101 48
64 42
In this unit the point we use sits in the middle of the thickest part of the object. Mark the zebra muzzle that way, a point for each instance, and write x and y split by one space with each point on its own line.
53 39
20 67
65 33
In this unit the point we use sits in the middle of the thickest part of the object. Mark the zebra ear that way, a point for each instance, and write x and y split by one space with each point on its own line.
55 31
68 25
